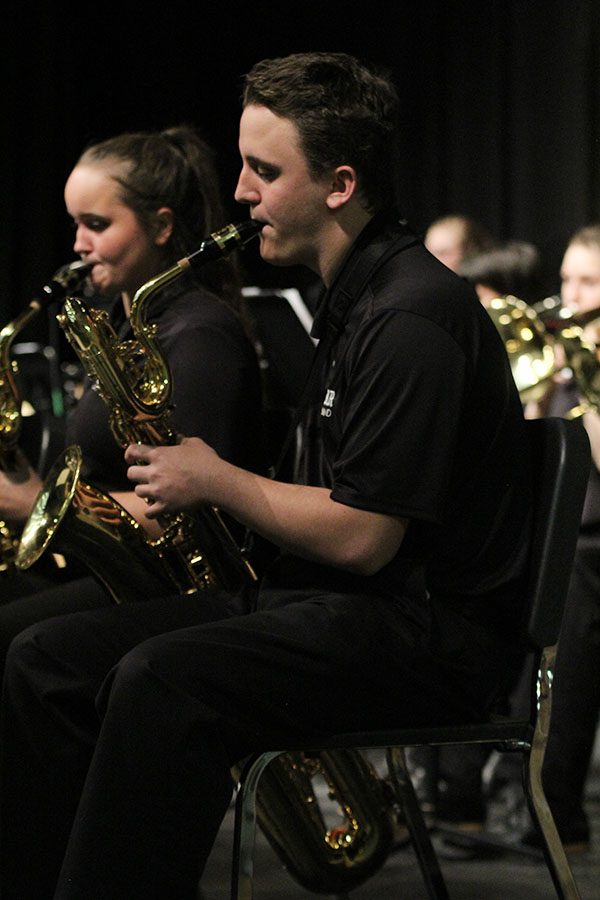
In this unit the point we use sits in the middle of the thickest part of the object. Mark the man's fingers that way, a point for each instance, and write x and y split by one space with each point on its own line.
137 454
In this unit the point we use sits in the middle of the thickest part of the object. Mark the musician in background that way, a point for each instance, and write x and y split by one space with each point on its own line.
449 780
139 202
454 238
576 694
398 588
461 800
513 268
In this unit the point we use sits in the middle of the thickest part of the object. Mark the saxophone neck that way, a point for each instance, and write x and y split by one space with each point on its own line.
219 244
10 395
12 329
141 298
132 376
67 278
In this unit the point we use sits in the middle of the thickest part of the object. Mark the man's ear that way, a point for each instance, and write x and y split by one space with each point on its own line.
163 225
343 187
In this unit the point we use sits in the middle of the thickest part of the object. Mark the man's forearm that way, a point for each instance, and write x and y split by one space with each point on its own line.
306 521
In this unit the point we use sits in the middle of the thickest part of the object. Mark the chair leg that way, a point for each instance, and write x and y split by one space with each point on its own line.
554 852
427 859
244 832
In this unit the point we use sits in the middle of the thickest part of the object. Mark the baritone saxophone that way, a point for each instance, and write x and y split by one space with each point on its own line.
133 378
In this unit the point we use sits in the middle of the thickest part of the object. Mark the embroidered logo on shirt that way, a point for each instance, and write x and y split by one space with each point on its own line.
328 403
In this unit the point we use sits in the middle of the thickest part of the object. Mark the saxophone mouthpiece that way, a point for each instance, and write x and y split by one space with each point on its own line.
67 278
222 242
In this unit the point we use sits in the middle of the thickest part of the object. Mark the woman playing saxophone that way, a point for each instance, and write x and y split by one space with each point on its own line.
139 202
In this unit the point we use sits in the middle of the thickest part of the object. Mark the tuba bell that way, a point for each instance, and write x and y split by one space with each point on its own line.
581 357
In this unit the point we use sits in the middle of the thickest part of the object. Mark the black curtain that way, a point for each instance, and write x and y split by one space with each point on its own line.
500 107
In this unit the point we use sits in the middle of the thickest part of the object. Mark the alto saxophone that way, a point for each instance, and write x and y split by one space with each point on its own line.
133 378
67 278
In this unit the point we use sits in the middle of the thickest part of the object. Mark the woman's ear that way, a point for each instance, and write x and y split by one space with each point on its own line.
343 187
163 225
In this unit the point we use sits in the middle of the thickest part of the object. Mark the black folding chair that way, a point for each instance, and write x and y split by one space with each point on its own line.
561 456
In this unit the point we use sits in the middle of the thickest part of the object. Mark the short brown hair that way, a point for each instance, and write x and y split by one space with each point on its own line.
346 112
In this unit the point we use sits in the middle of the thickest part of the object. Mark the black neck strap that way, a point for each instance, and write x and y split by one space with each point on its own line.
369 252
373 247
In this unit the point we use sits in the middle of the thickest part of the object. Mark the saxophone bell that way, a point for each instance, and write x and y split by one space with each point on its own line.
328 816
74 518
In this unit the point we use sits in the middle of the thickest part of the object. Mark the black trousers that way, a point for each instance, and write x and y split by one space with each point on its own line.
576 693
119 725
30 597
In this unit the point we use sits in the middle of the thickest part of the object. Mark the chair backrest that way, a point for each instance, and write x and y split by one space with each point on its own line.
561 459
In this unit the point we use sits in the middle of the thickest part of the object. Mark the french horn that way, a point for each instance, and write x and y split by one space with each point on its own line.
537 355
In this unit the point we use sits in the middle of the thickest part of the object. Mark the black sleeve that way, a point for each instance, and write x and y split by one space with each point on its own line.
400 416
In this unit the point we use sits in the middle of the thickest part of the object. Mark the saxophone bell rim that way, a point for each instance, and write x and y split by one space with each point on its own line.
64 472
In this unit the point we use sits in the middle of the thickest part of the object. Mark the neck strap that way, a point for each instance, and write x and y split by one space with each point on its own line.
372 249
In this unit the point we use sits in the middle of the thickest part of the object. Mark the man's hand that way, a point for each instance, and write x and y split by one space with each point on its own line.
173 478
300 518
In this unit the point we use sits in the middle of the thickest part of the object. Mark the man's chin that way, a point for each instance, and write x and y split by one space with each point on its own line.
274 257
276 261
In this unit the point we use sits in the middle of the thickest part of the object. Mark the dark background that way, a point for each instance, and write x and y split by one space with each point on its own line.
501 106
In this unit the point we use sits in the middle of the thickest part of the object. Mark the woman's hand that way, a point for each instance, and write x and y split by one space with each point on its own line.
19 487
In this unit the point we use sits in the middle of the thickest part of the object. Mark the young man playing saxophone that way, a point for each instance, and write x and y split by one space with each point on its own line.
396 593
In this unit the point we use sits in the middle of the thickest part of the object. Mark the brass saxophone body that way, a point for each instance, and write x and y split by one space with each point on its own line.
67 278
133 378
328 816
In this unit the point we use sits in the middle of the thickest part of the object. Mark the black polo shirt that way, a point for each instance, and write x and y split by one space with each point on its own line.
415 414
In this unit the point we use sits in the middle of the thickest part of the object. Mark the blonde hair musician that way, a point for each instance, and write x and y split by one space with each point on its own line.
576 698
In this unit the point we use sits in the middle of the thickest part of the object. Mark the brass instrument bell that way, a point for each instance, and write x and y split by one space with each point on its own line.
530 353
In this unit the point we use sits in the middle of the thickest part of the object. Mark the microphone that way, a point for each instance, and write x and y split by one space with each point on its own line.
221 243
